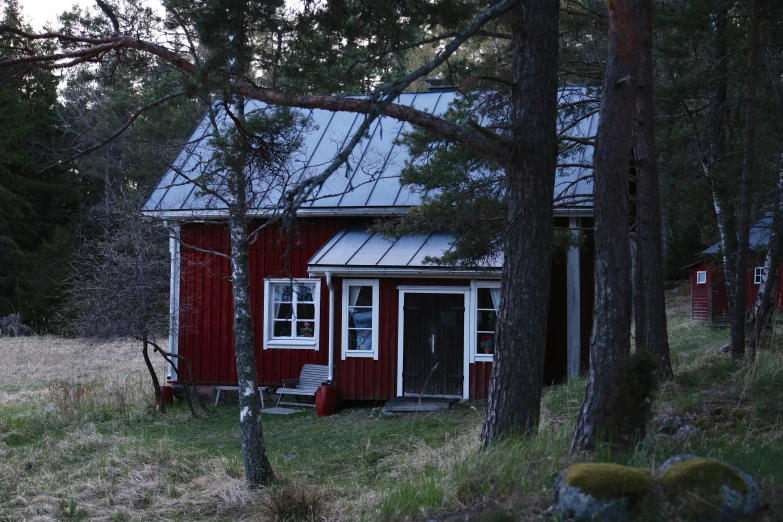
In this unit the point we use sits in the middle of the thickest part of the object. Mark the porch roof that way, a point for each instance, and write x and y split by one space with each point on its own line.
353 250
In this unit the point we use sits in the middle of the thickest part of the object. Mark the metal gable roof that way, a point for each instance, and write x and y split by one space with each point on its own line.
354 249
373 184
760 233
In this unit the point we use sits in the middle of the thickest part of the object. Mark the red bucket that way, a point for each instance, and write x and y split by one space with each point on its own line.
326 400
167 394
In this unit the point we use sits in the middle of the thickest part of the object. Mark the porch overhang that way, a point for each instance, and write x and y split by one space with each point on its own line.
354 251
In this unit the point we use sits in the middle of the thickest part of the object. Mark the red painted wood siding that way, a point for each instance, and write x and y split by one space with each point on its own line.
364 378
700 295
206 318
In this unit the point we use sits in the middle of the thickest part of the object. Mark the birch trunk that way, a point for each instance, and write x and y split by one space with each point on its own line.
766 299
611 338
517 372
651 334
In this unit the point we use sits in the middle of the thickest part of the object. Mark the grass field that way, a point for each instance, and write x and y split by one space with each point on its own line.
79 441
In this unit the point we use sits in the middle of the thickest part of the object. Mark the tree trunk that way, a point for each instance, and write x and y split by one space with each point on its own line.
765 301
722 183
738 316
611 337
153 375
651 324
517 373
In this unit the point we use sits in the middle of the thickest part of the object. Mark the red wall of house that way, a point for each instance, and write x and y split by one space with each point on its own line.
206 317
364 378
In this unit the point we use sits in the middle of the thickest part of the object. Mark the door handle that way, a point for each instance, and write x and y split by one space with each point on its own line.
432 343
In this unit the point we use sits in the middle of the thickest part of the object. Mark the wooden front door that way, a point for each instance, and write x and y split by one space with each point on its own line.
433 343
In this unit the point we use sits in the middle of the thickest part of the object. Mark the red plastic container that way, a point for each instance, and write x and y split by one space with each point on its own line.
167 394
326 400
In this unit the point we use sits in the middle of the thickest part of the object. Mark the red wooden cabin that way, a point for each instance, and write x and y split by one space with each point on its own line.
386 322
709 301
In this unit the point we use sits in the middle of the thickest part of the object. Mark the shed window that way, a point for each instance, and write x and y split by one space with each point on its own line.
759 274
701 277
360 318
292 309
487 304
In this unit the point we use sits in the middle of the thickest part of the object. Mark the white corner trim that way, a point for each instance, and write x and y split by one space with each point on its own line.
376 324
174 294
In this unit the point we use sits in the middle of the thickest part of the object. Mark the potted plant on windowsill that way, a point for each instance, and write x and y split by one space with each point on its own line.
487 344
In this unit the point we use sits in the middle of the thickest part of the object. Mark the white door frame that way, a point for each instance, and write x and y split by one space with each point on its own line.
465 291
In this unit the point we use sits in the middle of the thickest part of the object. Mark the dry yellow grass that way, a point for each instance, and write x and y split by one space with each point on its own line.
31 361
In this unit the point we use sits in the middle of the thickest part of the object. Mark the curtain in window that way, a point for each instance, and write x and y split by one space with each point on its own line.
353 294
495 292
276 304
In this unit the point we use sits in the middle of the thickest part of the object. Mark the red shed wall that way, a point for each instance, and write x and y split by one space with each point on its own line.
700 295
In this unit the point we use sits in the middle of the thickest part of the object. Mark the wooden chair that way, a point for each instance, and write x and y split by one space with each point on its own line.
312 376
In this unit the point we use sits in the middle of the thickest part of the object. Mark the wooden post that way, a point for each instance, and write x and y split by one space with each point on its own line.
573 311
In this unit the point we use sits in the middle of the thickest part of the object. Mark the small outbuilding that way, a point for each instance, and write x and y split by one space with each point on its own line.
709 300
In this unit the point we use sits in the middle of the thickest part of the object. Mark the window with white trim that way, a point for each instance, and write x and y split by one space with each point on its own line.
759 274
360 318
487 304
292 312
701 277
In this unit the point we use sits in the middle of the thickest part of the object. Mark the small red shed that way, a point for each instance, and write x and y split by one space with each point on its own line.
709 301
385 321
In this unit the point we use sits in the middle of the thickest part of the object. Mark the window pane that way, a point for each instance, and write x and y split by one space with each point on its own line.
282 329
305 311
486 321
364 298
485 298
486 343
283 293
359 317
304 293
282 310
360 340
305 328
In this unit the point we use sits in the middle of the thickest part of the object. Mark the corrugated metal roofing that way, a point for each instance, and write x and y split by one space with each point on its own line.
759 235
373 184
355 247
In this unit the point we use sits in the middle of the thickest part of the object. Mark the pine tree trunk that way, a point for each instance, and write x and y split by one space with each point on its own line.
738 318
651 324
153 375
517 373
611 338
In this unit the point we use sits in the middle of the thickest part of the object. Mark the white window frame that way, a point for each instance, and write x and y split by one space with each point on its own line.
475 356
701 277
758 275
291 343
376 324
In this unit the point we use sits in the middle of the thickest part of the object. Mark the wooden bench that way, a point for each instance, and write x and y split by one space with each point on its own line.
218 389
312 376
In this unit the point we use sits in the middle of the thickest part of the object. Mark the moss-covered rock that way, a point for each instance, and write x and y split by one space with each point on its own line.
708 489
590 491
604 481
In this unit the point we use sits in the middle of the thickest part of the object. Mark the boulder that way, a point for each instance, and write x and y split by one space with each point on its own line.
590 491
708 490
